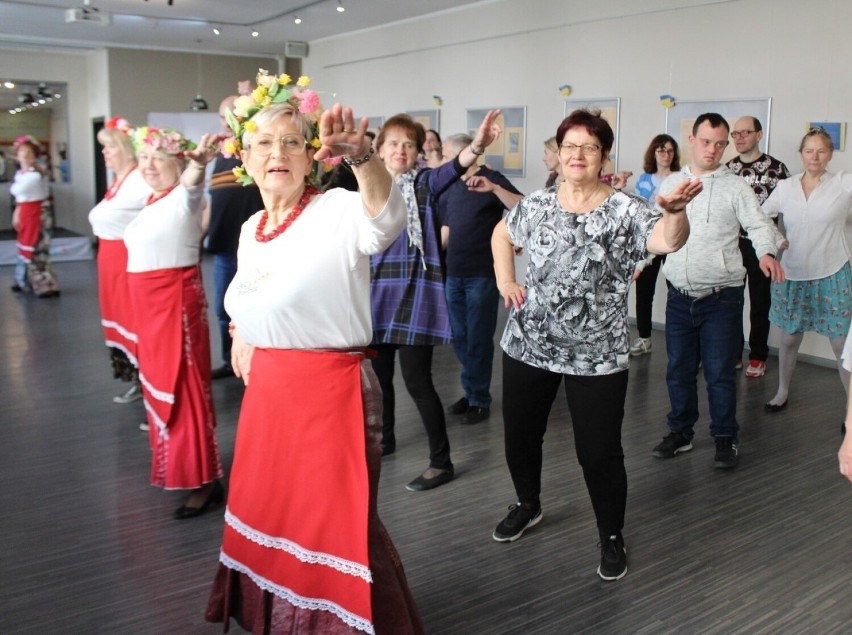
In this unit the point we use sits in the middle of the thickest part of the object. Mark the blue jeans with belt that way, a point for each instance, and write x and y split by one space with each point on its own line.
709 330
473 304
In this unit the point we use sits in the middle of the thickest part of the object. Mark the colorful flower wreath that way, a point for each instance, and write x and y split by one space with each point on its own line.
272 90
167 140
27 139
119 123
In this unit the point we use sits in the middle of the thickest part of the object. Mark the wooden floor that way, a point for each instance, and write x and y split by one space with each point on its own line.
89 547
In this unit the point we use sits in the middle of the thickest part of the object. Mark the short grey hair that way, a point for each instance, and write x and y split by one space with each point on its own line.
459 141
272 114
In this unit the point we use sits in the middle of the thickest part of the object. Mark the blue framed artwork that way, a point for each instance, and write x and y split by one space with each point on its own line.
835 129
506 154
610 108
429 119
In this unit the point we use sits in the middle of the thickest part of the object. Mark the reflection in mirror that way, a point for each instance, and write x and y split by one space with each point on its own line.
37 108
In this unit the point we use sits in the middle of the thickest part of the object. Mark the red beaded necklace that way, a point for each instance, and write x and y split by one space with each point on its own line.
153 197
116 184
309 192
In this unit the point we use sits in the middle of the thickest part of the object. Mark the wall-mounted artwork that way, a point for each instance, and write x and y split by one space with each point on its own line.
611 111
835 129
680 119
507 154
429 119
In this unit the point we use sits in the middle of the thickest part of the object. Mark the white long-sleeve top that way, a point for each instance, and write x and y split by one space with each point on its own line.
814 226
167 233
309 288
29 186
110 217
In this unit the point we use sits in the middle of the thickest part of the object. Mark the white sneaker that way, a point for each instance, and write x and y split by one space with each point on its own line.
133 393
641 346
144 426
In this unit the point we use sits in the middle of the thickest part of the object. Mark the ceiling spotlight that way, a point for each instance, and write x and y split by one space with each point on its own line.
340 7
217 30
9 84
254 33
297 19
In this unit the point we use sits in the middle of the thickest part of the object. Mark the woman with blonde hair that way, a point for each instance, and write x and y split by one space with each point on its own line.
123 201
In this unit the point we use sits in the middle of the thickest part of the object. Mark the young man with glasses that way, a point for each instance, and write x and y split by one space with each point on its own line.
762 172
705 280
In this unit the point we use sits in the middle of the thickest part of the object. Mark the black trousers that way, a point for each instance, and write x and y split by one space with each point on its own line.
416 365
596 405
646 285
760 298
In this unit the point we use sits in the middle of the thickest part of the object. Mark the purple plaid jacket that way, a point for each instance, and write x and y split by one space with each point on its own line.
408 302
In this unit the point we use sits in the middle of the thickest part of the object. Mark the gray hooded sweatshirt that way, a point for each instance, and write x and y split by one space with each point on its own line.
711 256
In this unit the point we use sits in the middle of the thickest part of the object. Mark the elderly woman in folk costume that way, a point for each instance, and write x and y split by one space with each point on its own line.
32 218
123 201
304 550
410 313
164 278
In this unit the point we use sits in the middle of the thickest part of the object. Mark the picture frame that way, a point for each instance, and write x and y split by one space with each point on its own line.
430 119
610 108
680 119
508 153
835 129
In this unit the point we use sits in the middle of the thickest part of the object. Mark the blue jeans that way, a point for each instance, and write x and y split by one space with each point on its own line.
473 305
709 330
224 270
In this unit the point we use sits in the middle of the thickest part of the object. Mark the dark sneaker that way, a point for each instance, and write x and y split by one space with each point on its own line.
460 407
519 519
613 558
475 414
674 443
726 453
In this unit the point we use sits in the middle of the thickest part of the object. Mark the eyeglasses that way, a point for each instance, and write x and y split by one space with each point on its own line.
736 134
586 149
706 143
292 144
664 150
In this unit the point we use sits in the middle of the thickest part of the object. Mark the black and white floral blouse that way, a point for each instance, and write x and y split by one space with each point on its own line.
574 318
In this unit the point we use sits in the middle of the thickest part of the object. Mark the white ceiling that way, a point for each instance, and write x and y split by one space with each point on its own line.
187 25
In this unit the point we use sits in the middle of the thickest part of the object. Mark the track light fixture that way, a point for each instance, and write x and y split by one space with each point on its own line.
340 7
297 19
254 32
217 30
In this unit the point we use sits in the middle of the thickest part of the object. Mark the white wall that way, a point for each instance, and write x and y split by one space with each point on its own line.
511 53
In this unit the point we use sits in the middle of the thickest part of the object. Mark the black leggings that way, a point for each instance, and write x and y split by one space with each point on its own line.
596 404
416 365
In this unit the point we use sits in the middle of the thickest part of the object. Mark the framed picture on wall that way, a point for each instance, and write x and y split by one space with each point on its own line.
835 129
507 154
610 108
680 119
429 119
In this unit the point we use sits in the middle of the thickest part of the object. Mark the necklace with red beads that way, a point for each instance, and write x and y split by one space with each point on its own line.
153 197
260 237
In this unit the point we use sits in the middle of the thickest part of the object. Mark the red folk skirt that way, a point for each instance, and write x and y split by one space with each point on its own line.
29 228
174 368
117 316
304 550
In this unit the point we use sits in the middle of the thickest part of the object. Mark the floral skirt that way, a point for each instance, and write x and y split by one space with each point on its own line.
823 305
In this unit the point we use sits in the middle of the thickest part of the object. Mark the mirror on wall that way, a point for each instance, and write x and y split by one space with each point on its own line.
37 108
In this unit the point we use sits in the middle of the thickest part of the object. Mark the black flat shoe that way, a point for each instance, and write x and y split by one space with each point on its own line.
388 449
460 407
216 497
421 483
772 407
475 414
17 288
223 372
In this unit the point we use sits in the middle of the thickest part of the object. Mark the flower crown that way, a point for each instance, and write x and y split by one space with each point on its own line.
119 123
271 90
27 139
167 140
